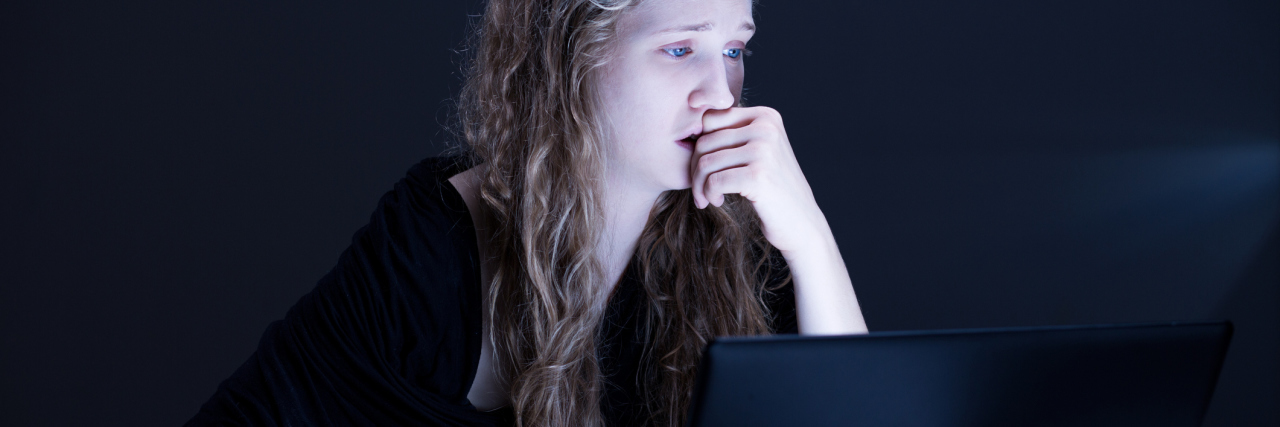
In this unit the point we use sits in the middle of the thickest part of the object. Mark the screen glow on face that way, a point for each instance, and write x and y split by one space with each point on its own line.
674 60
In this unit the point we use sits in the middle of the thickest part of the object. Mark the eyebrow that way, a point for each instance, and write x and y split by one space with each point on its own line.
703 26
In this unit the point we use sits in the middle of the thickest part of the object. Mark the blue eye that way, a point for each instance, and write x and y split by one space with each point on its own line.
736 52
678 51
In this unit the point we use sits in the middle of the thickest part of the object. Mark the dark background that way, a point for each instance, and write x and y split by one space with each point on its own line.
176 175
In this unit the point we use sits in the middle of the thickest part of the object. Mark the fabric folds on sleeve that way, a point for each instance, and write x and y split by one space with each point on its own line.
390 336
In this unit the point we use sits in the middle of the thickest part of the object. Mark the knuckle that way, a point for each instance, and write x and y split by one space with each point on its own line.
770 112
706 161
715 181
770 130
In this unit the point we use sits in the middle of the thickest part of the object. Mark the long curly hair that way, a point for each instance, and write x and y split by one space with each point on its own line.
529 111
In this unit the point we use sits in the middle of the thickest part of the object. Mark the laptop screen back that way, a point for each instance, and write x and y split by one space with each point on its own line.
1128 375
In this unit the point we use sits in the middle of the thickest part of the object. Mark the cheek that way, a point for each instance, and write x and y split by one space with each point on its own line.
646 101
618 99
626 100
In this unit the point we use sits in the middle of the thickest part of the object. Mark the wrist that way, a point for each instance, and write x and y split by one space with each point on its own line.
818 246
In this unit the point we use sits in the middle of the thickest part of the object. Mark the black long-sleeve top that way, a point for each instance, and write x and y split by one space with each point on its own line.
391 336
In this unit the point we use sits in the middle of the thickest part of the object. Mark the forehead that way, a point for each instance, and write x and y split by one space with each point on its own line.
651 17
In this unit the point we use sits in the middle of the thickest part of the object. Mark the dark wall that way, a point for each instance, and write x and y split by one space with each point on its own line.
177 175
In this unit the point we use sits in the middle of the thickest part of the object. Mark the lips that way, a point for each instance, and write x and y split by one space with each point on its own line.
689 141
692 133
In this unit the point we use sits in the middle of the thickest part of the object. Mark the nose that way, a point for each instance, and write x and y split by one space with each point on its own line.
712 92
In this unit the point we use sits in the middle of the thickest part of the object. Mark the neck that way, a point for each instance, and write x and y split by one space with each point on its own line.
626 211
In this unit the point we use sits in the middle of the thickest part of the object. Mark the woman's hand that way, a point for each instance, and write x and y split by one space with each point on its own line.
746 151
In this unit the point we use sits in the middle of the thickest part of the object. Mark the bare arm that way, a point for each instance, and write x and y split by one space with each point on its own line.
746 151
825 300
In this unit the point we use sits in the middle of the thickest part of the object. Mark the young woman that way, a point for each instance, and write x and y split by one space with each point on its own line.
617 207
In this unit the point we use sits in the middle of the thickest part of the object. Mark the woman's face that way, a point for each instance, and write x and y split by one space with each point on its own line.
674 60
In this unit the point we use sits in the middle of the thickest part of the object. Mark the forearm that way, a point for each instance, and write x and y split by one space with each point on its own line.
825 300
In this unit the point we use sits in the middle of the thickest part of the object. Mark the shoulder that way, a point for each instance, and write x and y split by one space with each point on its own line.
467 184
424 225
419 240
411 277
419 237
422 208
427 188
397 319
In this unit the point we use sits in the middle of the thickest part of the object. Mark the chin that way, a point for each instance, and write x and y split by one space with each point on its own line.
673 186
682 183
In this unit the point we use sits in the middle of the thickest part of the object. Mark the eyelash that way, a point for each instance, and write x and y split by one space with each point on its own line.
742 51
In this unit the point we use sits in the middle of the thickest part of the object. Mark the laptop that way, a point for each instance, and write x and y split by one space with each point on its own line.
1101 375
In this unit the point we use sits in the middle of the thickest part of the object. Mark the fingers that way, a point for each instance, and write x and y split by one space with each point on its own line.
715 120
733 180
732 142
700 164
711 163
720 140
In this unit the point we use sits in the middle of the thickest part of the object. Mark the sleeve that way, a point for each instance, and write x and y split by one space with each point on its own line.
390 336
